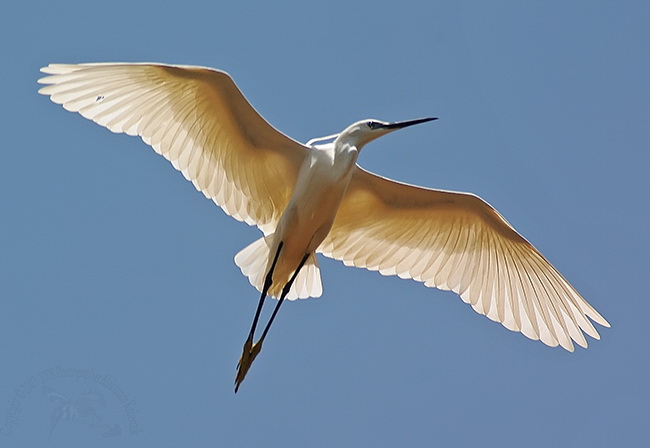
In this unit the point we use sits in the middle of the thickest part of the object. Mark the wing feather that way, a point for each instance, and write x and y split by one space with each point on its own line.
457 242
197 119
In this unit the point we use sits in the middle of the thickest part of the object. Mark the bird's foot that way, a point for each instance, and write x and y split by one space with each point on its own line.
249 354
245 352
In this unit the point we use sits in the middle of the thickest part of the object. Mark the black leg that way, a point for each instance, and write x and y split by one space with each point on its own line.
251 351
285 291
247 355
265 289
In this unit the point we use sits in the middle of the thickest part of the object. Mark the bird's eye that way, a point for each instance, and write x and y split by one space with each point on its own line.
372 124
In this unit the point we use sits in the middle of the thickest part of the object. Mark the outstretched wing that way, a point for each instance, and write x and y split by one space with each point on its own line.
198 120
458 242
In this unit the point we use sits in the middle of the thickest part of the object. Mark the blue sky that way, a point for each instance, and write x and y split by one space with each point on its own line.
117 279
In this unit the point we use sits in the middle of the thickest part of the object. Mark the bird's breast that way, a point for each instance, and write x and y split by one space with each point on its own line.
312 208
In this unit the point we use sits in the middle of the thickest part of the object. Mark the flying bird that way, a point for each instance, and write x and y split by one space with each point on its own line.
314 198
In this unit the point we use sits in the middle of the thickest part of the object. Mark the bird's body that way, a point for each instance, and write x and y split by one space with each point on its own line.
310 213
314 198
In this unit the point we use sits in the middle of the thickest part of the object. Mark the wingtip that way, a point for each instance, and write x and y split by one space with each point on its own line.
45 69
54 69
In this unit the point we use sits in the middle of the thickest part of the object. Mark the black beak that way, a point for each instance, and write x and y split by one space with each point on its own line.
404 124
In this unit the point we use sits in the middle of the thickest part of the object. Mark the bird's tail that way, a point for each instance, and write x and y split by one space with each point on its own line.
253 261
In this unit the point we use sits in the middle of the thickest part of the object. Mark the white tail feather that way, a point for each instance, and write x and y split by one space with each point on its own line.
253 259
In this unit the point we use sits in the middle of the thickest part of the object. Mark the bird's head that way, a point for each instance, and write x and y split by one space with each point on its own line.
363 132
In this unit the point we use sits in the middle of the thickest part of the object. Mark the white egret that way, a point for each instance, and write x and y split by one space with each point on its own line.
309 198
